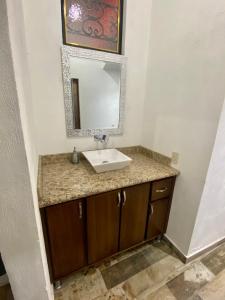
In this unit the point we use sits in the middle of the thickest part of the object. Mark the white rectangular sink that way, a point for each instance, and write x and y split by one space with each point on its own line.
107 160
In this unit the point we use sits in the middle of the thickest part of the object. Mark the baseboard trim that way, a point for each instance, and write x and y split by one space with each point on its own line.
4 280
205 250
187 259
182 257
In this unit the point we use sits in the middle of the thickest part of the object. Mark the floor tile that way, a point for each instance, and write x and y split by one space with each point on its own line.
195 297
130 266
165 247
160 271
164 269
127 254
215 290
137 284
122 256
63 295
107 264
86 286
215 261
124 270
114 294
154 254
186 284
120 293
162 294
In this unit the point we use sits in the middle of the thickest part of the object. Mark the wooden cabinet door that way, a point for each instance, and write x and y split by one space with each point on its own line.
134 215
103 217
66 233
158 218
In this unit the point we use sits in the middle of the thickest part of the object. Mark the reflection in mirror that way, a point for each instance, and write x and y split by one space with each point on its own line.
95 93
76 102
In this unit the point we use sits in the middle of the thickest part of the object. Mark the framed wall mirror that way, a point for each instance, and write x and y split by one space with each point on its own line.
94 91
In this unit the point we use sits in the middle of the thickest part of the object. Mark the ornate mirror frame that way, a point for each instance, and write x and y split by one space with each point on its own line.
68 52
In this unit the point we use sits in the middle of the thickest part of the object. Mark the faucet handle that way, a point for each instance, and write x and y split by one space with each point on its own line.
97 137
103 138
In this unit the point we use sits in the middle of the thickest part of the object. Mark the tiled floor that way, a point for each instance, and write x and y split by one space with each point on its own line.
152 272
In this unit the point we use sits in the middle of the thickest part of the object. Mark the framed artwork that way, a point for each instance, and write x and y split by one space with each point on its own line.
93 24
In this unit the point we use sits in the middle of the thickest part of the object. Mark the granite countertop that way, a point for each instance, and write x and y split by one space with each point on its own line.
60 181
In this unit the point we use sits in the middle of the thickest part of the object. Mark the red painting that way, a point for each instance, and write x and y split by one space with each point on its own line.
95 24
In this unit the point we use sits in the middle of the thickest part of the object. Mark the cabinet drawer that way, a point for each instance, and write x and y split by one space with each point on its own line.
161 189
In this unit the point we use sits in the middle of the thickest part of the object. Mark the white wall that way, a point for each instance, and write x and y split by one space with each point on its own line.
185 92
44 39
209 227
22 252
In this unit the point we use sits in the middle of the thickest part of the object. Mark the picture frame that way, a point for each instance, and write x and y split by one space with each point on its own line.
93 24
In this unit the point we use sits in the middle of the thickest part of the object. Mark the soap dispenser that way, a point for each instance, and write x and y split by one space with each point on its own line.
75 156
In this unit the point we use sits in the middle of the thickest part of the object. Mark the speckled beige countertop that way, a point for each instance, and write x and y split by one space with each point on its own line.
60 181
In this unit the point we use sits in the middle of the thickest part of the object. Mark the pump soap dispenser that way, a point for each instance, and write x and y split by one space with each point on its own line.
75 156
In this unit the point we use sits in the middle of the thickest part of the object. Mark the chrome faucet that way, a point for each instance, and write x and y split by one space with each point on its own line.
102 138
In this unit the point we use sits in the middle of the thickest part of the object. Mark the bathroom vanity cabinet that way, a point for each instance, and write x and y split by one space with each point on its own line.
82 232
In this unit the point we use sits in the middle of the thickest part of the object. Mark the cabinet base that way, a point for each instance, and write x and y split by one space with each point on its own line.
159 238
58 284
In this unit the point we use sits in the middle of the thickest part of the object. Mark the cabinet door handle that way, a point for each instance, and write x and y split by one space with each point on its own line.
162 190
124 198
80 210
151 210
119 199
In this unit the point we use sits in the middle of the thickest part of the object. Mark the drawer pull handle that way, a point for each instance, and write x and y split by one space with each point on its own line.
119 199
80 210
151 210
124 198
162 190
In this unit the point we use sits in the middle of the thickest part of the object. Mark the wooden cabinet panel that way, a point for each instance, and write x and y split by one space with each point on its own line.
103 217
66 234
134 215
162 189
158 218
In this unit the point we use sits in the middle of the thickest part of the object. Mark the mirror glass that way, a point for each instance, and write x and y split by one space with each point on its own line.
95 89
